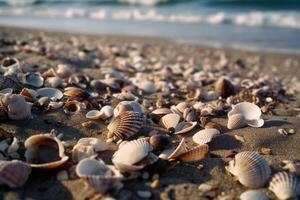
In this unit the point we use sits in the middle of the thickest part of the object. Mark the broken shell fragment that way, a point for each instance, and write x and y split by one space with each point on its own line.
170 121
51 93
253 195
124 106
45 151
285 186
14 173
251 169
105 113
184 127
205 136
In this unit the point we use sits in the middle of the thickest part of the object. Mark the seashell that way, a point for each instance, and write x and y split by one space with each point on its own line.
184 127
98 175
181 148
195 154
189 115
253 195
211 96
160 142
45 151
215 125
64 71
87 147
236 121
28 94
10 65
124 106
9 82
224 87
76 93
146 86
54 105
285 186
73 107
205 136
130 153
54 82
170 121
6 91
33 79
250 111
17 107
182 106
51 93
161 111
125 125
105 113
251 169
176 111
14 173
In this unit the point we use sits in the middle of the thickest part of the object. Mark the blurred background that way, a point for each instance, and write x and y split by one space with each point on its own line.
268 25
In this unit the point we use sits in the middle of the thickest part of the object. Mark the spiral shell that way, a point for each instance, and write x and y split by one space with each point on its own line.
125 125
285 186
14 173
251 169
253 195
205 136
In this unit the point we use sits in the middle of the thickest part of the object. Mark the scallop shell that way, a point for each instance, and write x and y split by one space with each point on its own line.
172 153
87 147
205 136
251 169
160 142
17 107
170 121
285 186
130 153
98 175
124 106
14 173
45 151
184 127
195 154
126 125
51 93
236 121
224 87
33 79
76 93
73 107
253 195
250 111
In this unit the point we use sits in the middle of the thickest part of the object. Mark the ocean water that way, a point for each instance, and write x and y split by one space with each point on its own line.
270 25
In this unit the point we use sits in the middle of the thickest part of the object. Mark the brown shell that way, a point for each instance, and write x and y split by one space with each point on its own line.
75 93
195 154
126 125
224 87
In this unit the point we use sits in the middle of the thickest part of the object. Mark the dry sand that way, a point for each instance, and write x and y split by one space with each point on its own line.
183 180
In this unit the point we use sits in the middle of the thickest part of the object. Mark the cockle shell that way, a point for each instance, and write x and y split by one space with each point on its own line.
51 93
17 107
76 93
98 175
33 79
236 121
205 136
126 125
45 151
131 153
124 106
224 87
73 107
87 147
170 121
184 127
195 154
251 169
14 173
285 186
105 113
253 195
250 111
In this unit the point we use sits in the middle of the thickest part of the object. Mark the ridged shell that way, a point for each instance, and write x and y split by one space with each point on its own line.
45 151
170 121
51 93
253 195
98 175
125 125
251 169
124 106
195 154
14 173
172 153
184 127
205 136
224 87
76 93
236 121
285 186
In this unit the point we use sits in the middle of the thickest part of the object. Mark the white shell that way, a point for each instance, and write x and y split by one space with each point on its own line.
146 86
51 93
253 195
184 127
172 152
236 121
251 169
93 114
250 111
124 106
54 82
17 107
35 80
161 111
205 136
285 186
170 121
105 113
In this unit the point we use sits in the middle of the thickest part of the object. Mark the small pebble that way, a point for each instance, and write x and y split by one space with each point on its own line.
144 194
291 131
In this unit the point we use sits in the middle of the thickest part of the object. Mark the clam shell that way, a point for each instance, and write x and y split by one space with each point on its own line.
182 106
251 169
14 173
176 111
125 125
236 121
93 114
161 111
224 87
184 127
6 91
285 186
75 93
124 106
17 107
253 195
170 121
205 136
45 151
51 93
146 86
195 154
33 79
250 111
73 107
181 148
159 142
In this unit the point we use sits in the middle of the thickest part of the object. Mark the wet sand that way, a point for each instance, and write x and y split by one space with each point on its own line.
181 181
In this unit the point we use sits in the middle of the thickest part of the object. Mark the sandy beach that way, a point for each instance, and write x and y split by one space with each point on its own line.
39 51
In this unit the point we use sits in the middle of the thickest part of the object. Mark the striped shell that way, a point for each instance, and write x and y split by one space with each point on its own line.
205 136
170 121
76 93
14 173
195 154
253 195
236 121
184 127
285 186
251 169
125 125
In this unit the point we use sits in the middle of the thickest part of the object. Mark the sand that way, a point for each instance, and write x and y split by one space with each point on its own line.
181 181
